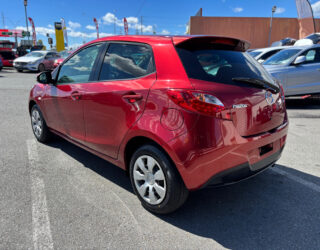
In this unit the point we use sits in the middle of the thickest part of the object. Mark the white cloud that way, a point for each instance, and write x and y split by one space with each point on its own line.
109 18
165 32
132 20
74 25
237 9
90 27
50 26
280 10
39 30
316 9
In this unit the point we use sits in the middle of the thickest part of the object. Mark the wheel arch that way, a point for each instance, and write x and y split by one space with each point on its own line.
135 142
31 104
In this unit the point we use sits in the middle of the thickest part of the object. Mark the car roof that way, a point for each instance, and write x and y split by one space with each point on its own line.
305 46
271 48
158 39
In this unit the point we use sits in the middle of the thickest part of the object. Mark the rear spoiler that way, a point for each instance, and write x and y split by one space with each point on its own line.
199 41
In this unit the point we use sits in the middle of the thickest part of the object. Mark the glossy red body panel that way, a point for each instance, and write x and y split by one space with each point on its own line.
108 115
101 121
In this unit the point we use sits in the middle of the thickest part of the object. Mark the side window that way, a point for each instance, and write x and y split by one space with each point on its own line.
312 56
125 61
49 55
78 68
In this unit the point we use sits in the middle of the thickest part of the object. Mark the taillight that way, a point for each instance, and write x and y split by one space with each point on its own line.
195 101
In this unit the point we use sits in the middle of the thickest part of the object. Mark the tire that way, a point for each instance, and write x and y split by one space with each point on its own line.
41 67
161 189
19 70
39 126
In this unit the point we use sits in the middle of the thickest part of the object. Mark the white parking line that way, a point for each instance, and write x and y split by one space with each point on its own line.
308 184
42 238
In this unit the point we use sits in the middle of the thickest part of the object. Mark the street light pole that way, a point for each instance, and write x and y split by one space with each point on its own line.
274 8
25 2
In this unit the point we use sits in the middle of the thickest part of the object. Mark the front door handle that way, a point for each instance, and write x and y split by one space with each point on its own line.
75 95
131 98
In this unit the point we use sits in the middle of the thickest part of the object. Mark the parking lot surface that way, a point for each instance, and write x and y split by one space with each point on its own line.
58 196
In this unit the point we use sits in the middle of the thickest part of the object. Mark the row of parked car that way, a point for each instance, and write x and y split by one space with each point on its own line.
33 61
296 67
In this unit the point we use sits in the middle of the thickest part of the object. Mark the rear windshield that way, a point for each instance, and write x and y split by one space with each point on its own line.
221 65
7 55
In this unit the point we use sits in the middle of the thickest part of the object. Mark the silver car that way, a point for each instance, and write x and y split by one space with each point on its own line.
297 68
36 61
264 53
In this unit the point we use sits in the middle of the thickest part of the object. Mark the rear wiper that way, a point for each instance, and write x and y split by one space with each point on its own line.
257 83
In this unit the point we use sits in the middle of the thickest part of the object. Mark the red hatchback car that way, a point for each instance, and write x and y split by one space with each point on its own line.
177 113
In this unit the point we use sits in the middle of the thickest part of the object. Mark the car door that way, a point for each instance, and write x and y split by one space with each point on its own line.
305 78
49 60
116 100
63 100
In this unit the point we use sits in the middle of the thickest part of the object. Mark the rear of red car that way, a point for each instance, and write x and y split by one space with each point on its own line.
7 58
233 112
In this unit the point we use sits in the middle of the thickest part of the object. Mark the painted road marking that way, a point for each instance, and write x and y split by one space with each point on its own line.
42 238
308 184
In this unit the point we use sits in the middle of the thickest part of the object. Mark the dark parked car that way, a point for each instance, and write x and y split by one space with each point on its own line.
177 113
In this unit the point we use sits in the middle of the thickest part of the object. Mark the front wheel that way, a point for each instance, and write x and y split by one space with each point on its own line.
39 126
156 180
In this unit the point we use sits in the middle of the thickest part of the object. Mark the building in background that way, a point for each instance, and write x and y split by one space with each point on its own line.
253 29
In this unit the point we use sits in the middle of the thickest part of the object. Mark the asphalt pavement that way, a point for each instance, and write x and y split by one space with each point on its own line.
58 196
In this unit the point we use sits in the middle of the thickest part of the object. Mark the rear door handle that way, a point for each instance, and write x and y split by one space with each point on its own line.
75 95
131 98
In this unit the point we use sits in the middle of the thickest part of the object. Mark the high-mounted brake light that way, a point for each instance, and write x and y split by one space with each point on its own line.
200 102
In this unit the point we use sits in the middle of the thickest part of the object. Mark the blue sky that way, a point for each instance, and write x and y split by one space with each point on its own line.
166 16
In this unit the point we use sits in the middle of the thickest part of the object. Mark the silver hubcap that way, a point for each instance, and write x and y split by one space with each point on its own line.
149 179
36 123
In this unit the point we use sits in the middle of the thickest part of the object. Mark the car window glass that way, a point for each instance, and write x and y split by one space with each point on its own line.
78 68
268 54
125 61
220 65
312 56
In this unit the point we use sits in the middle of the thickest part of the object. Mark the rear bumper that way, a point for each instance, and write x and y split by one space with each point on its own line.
213 153
243 171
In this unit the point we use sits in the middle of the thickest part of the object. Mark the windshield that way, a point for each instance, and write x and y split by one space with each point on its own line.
35 54
282 57
64 54
221 66
254 53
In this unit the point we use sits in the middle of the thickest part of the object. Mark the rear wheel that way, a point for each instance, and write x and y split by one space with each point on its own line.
39 126
156 181
19 70
41 67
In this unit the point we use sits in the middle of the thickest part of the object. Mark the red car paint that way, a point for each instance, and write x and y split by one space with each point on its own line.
7 57
99 117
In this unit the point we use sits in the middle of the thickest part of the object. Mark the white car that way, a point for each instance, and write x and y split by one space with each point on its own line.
313 38
264 53
36 61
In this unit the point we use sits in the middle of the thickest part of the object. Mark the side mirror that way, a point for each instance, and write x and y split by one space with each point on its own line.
299 60
45 77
